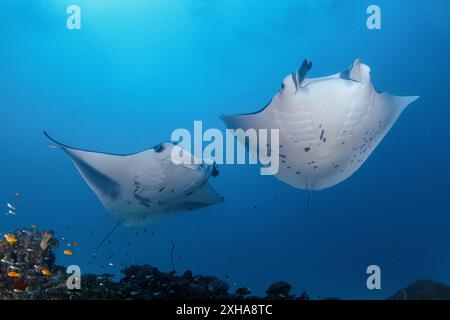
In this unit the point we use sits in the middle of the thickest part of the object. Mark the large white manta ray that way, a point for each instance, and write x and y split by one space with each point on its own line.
328 126
141 188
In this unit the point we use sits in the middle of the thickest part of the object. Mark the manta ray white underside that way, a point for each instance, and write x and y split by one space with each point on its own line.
328 126
141 188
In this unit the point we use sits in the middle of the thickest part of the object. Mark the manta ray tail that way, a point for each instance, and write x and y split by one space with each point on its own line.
309 199
107 236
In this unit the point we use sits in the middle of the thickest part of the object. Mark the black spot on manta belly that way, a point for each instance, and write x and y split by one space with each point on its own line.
144 204
141 198
307 149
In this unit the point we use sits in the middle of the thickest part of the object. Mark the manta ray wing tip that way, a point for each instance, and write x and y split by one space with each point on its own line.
49 137
59 144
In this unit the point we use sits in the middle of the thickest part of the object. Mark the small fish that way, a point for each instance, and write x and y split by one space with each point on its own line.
46 272
11 239
111 264
13 274
11 206
13 213
68 252
75 243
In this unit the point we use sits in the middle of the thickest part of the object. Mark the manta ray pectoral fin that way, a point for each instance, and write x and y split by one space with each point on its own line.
397 103
236 121
92 166
203 197
301 73
254 120
57 143
402 102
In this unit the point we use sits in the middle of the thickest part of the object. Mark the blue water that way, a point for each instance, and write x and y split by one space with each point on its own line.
139 69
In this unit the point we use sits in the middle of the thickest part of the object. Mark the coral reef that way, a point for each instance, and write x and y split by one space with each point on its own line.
28 271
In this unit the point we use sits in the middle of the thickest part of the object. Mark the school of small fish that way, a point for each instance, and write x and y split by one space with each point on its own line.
11 208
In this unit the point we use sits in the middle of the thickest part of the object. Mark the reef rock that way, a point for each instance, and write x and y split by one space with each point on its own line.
423 290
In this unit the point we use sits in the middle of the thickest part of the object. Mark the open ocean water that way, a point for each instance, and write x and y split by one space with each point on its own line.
137 70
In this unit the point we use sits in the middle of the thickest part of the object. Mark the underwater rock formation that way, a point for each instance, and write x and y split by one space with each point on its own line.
423 290
28 271
279 290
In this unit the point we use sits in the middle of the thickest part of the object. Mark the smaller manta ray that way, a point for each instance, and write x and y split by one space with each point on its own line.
141 188
327 126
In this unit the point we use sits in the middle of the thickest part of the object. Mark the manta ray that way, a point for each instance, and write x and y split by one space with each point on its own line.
327 126
142 188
